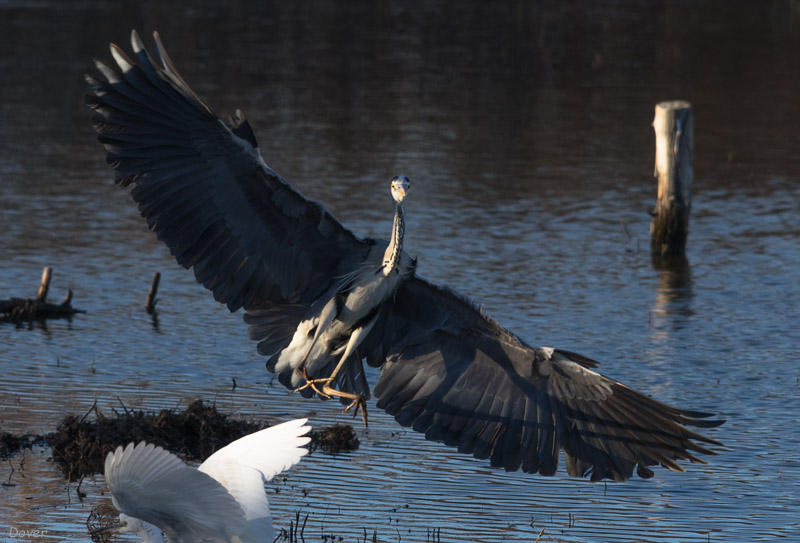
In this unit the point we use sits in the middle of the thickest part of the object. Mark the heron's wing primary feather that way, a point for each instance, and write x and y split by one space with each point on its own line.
244 465
205 190
155 486
455 375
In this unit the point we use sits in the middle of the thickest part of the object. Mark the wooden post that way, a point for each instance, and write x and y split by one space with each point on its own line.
151 296
44 286
674 128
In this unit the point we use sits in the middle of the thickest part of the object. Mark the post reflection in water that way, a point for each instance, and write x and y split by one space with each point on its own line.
672 305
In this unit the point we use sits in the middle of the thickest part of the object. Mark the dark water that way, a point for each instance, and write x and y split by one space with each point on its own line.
526 129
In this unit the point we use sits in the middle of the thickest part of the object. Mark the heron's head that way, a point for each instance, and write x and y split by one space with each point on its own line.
400 185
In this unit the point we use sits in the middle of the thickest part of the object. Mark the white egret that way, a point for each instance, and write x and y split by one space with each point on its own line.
222 500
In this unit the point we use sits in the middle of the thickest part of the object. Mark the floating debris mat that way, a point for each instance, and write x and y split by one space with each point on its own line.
80 445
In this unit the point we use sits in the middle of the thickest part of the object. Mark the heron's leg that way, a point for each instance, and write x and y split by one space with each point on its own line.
310 382
359 402
326 317
327 391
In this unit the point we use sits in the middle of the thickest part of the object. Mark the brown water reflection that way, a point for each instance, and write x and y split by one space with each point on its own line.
526 128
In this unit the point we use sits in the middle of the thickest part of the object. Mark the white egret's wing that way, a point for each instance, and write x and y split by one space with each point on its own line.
155 486
251 239
244 465
269 451
455 375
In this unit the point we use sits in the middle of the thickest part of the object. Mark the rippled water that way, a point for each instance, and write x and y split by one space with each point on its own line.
526 129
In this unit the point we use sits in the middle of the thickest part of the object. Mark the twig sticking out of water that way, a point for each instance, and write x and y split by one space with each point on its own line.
44 286
296 533
151 296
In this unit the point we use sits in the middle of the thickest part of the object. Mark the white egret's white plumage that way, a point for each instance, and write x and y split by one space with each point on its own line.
222 500
148 532
320 301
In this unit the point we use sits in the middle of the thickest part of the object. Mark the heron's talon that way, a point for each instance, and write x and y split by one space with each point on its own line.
313 384
360 403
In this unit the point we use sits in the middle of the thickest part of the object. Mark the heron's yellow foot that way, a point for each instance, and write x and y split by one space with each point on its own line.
328 392
312 384
359 402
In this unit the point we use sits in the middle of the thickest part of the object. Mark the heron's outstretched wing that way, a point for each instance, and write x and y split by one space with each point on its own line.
455 375
155 486
205 190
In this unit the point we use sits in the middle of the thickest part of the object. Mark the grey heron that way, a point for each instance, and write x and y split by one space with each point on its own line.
222 500
320 300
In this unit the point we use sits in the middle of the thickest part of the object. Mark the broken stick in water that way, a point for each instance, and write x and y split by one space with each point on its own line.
44 285
151 296
26 309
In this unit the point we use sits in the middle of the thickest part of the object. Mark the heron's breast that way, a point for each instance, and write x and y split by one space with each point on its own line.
367 294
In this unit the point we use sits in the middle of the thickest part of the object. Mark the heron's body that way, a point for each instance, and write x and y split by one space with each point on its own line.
320 301
340 313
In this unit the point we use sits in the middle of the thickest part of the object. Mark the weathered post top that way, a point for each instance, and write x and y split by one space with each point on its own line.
674 129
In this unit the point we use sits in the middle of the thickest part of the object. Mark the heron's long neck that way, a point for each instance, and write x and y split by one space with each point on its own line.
392 254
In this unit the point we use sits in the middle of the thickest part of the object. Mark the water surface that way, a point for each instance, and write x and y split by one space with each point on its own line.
526 130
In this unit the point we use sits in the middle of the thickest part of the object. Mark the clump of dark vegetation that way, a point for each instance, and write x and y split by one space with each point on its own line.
334 439
297 528
297 533
11 443
80 446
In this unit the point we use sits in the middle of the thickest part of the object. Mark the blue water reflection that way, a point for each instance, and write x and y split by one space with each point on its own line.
526 131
